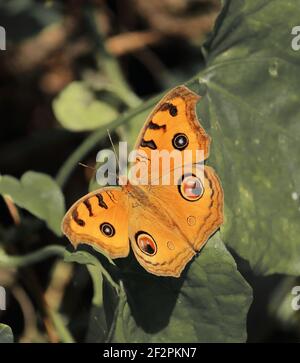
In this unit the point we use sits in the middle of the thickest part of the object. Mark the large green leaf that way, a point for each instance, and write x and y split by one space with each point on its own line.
208 303
39 194
77 109
6 335
250 108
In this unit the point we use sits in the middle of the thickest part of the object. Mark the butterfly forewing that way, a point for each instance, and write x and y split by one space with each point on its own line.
101 220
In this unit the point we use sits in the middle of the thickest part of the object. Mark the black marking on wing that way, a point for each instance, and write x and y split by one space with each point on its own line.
150 144
101 202
173 111
111 196
154 126
89 206
79 221
143 157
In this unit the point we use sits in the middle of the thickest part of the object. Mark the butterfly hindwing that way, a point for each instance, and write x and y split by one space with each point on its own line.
171 223
157 242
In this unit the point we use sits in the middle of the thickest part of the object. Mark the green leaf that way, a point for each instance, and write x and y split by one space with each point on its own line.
77 109
250 108
209 303
39 194
6 335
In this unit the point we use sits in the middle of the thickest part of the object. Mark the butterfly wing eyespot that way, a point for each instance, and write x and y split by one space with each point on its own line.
191 188
180 141
107 229
146 243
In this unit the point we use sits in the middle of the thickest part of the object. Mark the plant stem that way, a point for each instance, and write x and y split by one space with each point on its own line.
31 258
97 280
64 334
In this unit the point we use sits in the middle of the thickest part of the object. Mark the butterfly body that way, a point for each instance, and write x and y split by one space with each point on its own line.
165 224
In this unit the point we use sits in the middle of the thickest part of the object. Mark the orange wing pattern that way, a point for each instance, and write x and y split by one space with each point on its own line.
100 219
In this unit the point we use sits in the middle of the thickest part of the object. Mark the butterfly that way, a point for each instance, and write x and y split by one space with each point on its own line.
165 225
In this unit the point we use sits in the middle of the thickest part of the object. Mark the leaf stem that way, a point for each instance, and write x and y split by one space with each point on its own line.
63 332
31 258
97 280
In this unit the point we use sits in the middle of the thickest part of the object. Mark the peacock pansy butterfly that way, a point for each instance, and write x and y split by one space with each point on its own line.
166 225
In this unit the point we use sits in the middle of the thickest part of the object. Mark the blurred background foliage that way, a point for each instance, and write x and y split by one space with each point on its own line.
71 69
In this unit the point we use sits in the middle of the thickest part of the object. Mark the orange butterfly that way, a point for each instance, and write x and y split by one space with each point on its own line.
166 225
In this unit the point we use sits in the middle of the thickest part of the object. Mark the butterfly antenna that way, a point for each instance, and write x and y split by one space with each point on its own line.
113 146
86 166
